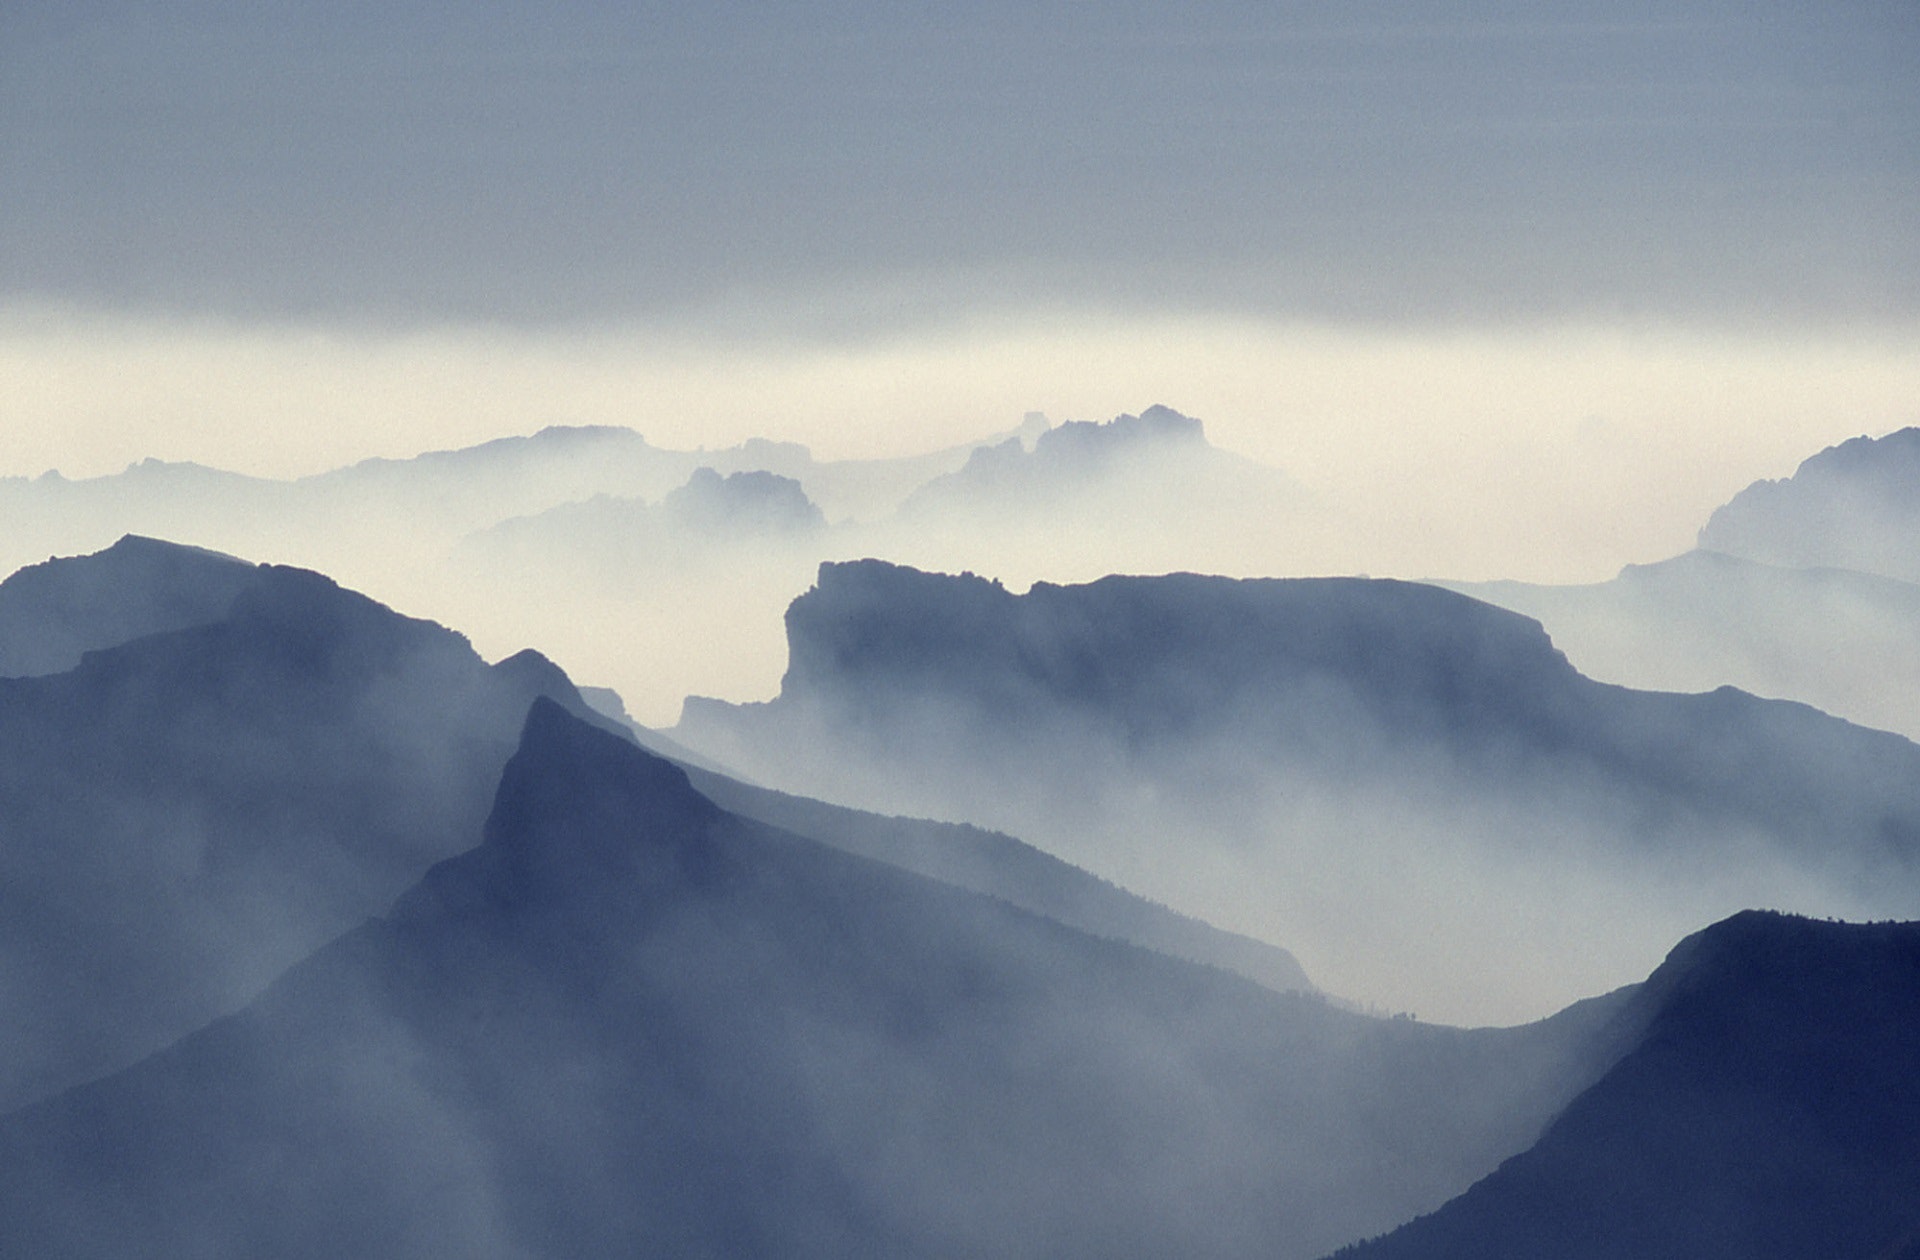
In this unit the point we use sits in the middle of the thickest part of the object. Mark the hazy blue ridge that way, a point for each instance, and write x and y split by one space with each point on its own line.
186 812
1845 642
53 613
1187 679
1852 506
1002 866
1770 1112
630 1020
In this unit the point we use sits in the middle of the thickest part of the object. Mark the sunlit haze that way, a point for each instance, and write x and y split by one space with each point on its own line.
1555 454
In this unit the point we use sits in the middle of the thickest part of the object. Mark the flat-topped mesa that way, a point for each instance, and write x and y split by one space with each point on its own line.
1162 650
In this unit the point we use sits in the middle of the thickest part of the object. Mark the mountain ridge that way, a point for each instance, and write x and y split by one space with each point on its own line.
628 1014
1769 1111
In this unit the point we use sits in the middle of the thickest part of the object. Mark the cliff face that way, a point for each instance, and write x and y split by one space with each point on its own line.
1402 785
1333 679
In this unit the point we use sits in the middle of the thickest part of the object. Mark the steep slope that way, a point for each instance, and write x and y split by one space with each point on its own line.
1852 506
53 613
1004 867
1846 643
184 814
1328 742
1771 1112
631 1021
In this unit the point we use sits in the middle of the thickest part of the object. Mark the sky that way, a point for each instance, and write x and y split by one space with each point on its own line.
1566 280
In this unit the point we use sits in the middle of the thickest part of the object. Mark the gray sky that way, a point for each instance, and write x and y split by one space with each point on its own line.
838 166
1550 287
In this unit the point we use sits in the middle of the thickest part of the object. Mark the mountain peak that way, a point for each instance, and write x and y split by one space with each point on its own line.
1852 506
1769 1108
1157 426
580 811
54 612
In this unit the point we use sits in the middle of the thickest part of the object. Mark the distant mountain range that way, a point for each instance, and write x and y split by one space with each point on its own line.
1139 493
438 497
1845 642
1806 588
683 559
1852 506
1242 743
707 528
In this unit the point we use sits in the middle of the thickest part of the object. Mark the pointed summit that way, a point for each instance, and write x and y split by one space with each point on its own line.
576 802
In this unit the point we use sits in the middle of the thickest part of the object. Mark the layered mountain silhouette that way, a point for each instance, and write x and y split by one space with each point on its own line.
242 762
1360 734
498 538
1770 1110
1852 506
52 614
433 499
1011 870
1847 643
631 1020
1137 493
702 531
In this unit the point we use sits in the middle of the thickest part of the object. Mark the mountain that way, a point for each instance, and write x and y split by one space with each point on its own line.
1292 759
422 504
1852 506
630 1020
703 532
245 761
394 529
1143 492
52 614
1001 866
1845 642
1770 1111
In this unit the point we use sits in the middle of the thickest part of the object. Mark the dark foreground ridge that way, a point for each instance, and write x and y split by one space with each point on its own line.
246 761
52 614
1770 1112
630 1021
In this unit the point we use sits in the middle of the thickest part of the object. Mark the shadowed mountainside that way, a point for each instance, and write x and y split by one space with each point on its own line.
1770 1111
630 1015
1302 737
1331 676
51 614
186 812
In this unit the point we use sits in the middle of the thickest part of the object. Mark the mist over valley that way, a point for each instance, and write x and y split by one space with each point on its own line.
1034 630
